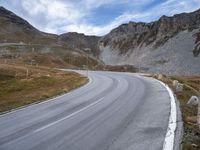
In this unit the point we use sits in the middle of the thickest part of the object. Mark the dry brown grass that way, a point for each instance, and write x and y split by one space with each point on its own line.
66 59
118 68
17 88
48 60
191 137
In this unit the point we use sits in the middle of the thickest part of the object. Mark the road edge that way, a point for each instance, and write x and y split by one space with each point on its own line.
44 101
180 129
175 143
169 142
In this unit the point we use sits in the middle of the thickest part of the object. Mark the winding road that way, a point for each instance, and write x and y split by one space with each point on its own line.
114 111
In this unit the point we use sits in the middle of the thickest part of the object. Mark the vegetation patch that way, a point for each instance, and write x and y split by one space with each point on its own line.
22 85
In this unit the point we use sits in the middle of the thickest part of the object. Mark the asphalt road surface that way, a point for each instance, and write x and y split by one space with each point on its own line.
114 111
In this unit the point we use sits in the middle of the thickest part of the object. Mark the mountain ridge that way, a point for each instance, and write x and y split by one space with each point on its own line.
159 46
20 42
164 28
13 24
169 45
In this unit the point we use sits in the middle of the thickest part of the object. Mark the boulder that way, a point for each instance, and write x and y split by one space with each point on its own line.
193 101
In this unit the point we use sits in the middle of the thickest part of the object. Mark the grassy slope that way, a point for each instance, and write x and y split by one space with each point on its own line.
18 89
50 56
191 137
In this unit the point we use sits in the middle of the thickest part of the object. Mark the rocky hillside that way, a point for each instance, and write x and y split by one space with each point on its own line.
170 45
14 29
196 50
21 42
80 41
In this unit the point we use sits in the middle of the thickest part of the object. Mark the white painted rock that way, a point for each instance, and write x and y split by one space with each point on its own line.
194 100
160 77
179 87
175 83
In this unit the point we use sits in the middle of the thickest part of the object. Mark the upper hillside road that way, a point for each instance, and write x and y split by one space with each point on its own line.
114 111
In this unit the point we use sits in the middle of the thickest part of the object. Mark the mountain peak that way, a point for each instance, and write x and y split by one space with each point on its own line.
4 11
1 8
12 18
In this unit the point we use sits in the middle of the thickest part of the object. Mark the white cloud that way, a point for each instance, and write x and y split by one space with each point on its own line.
53 9
69 16
33 7
59 16
63 11
101 30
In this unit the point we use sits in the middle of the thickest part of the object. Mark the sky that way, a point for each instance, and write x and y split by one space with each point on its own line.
93 17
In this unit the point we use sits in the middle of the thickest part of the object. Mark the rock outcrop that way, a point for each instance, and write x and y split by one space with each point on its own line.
131 35
170 45
80 41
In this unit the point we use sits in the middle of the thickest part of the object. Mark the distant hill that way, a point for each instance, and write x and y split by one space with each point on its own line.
80 41
14 29
22 43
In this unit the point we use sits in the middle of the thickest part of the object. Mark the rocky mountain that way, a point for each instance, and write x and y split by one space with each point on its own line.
14 29
22 42
80 41
170 45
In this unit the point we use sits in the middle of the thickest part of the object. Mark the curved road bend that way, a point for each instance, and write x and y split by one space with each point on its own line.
114 111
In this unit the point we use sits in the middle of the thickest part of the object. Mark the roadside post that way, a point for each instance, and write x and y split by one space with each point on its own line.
87 50
195 101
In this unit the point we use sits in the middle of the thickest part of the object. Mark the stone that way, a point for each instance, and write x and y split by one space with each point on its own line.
160 77
179 87
193 101
175 83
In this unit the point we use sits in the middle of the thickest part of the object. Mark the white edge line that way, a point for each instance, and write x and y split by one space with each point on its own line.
42 102
170 135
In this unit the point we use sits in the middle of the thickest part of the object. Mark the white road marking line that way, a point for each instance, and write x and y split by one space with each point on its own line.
53 123
170 135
